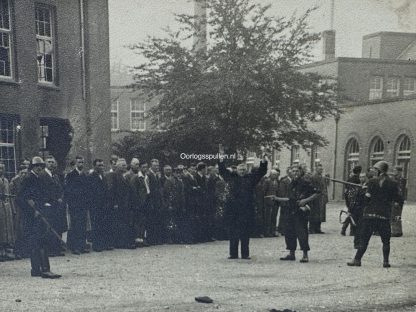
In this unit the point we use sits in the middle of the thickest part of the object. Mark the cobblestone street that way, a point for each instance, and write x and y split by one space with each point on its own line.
169 277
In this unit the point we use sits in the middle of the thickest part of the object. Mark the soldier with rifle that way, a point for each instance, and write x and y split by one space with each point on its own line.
31 200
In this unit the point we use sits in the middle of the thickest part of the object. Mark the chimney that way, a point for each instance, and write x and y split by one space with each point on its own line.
328 42
200 38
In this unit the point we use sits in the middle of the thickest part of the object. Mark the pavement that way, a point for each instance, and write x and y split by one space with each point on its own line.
169 277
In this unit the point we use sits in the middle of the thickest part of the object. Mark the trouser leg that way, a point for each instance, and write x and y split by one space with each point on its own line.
245 241
367 230
385 235
273 219
301 226
290 233
234 241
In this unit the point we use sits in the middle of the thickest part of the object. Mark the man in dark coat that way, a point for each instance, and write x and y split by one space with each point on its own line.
318 206
99 209
120 194
396 214
271 207
76 196
240 211
350 195
139 184
32 202
56 211
155 223
190 191
382 192
202 222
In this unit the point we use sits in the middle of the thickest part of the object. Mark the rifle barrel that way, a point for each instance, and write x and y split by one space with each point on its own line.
344 182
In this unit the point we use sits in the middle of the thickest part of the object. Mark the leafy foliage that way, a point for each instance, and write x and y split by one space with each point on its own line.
244 90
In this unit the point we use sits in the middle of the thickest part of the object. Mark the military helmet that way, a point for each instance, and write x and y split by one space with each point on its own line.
382 166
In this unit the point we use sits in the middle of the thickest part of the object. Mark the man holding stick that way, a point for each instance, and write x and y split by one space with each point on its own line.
382 191
31 199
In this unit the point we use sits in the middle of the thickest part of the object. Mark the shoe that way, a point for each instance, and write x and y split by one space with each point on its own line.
35 273
343 233
304 260
109 248
386 265
246 258
397 235
232 257
320 232
84 251
288 258
50 275
354 262
97 249
76 252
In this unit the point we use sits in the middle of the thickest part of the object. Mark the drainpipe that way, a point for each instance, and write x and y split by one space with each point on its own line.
88 130
337 117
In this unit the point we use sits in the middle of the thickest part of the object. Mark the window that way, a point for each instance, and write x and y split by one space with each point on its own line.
377 151
137 115
352 156
376 88
295 154
5 40
114 115
45 43
403 154
409 86
315 157
8 128
393 87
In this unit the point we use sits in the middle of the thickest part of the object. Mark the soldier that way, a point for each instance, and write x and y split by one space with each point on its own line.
99 208
240 211
318 206
55 212
76 196
31 201
396 214
7 233
168 190
120 194
357 210
350 195
301 193
382 192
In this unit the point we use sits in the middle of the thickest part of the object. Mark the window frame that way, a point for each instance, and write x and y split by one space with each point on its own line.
44 38
9 32
376 94
137 112
117 115
389 92
409 92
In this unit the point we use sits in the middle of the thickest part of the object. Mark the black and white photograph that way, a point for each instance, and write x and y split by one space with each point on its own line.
208 155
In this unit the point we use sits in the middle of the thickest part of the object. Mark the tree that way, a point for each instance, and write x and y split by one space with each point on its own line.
245 90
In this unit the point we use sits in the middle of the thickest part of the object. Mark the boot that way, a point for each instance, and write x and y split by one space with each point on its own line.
354 262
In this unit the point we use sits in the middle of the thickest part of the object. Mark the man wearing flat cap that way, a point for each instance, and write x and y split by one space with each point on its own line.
31 200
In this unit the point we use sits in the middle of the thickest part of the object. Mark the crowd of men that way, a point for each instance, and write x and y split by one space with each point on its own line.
141 204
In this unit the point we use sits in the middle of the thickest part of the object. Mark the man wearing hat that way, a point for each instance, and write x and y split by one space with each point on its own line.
381 193
31 200
240 211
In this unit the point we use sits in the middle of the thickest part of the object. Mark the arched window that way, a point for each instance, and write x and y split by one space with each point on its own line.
376 150
403 153
352 155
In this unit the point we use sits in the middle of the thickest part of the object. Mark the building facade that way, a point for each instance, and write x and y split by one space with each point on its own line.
378 100
54 80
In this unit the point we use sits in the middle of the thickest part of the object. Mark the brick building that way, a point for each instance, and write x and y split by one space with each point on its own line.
54 79
378 99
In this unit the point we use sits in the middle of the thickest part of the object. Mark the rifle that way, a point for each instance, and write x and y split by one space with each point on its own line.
344 182
49 227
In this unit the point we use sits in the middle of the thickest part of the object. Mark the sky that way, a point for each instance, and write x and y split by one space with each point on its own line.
131 21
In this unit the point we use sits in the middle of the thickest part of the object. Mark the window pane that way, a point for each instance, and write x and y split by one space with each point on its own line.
4 14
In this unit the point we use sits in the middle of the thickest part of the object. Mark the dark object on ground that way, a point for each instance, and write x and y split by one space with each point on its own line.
204 299
18 300
285 310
